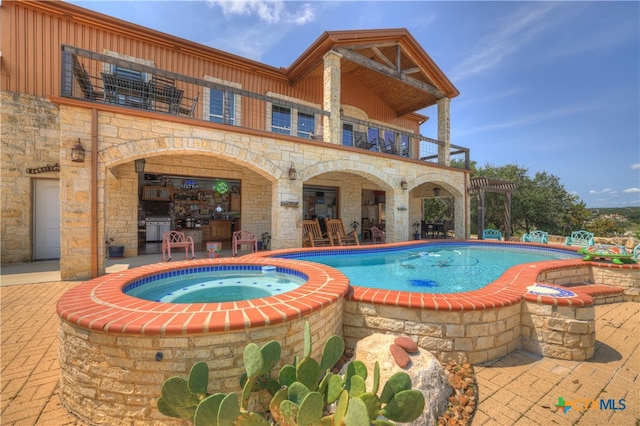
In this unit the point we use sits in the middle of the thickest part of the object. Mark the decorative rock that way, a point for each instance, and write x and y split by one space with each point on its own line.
427 374
399 355
407 344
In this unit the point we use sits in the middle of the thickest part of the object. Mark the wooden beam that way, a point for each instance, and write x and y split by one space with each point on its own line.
381 56
388 71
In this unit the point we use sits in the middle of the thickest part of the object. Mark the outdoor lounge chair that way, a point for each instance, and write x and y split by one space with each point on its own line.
313 236
339 235
241 238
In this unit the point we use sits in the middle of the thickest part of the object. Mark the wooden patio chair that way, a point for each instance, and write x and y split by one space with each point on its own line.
313 236
241 238
338 233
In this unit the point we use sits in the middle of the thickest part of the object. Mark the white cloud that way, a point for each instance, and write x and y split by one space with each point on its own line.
604 191
518 30
269 11
635 166
631 190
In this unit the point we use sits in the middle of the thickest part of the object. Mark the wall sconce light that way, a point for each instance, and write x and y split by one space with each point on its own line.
403 183
78 153
436 191
139 165
293 173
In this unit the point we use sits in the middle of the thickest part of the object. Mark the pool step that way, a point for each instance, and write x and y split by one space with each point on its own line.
602 294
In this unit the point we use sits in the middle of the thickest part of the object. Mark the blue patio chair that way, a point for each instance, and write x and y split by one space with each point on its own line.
538 236
580 239
491 234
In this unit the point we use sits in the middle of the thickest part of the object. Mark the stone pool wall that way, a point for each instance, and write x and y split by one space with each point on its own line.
562 332
476 336
115 379
626 277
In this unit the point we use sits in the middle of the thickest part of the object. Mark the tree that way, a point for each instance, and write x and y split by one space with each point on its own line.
538 203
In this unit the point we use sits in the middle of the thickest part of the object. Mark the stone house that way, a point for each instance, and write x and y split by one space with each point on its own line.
107 124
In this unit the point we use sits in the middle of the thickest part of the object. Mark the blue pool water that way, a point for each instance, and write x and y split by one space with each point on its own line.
431 268
210 285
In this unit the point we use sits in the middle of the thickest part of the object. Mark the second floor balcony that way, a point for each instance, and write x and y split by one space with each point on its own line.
109 79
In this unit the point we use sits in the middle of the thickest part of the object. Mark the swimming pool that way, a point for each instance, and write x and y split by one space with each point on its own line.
439 268
216 284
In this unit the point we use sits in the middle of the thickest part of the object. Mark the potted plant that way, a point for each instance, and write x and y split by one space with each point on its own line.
266 239
113 250
416 229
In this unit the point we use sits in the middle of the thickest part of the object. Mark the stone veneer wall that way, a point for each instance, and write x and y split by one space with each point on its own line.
476 336
624 277
115 379
562 332
30 134
36 133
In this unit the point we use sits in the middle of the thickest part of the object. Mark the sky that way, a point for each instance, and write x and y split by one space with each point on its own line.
549 86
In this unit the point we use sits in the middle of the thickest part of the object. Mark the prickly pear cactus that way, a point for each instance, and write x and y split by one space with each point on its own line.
301 393
180 398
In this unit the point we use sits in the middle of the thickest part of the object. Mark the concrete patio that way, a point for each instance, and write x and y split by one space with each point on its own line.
518 389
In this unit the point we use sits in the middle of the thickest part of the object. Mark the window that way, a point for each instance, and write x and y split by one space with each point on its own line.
347 134
128 74
306 125
221 107
404 145
374 143
281 120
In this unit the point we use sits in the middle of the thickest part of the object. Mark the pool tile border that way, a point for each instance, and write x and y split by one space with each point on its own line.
507 290
100 304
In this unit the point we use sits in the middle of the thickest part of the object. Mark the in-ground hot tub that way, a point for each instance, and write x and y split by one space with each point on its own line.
116 350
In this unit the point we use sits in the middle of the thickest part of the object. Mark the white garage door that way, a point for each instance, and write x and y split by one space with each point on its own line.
46 219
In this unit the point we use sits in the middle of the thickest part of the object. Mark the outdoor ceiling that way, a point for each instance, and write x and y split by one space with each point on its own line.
389 62
399 91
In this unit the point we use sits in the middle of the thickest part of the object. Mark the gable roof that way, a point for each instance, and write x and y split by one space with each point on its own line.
389 61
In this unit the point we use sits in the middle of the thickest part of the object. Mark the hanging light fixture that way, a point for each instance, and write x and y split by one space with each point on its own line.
403 183
293 173
436 191
139 165
78 152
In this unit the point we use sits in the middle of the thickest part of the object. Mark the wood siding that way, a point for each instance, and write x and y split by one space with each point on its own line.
33 33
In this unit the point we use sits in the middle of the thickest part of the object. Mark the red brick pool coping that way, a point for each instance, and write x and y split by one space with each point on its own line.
100 304
510 288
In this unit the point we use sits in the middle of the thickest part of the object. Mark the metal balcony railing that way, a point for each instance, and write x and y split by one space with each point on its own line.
113 80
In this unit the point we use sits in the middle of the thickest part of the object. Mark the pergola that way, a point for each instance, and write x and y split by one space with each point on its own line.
481 185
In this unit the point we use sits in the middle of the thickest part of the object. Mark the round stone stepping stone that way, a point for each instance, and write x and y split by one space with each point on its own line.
407 344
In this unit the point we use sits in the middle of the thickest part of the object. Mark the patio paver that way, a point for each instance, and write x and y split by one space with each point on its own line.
518 389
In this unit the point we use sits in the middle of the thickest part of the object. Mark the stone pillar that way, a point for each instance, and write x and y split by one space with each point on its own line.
444 131
287 213
332 125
